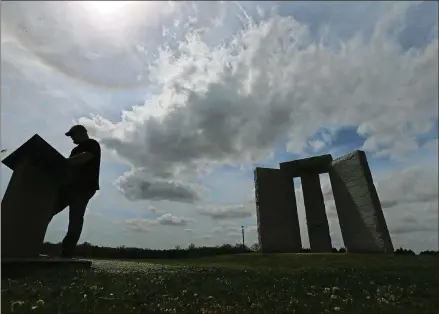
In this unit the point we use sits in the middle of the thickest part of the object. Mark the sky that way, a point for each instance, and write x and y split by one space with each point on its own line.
187 98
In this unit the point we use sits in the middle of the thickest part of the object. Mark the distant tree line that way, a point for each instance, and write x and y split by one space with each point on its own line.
402 251
88 250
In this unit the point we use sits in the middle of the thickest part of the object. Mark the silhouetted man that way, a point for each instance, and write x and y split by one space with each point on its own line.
84 160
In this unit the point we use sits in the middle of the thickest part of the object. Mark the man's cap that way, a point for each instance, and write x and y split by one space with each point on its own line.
76 129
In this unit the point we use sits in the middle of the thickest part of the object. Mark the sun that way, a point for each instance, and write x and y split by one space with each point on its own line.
106 7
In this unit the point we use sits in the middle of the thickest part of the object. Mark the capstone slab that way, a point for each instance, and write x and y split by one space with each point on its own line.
312 165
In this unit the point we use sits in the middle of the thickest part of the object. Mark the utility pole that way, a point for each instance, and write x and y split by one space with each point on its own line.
242 229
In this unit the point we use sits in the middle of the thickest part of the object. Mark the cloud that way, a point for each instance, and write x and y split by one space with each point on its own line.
169 220
226 232
139 185
251 229
226 229
413 227
219 212
155 210
145 225
317 145
50 31
409 198
231 103
140 224
432 144
409 186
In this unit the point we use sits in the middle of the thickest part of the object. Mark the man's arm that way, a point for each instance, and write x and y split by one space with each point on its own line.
81 158
92 149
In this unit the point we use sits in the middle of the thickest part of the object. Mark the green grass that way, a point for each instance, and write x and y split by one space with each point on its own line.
303 261
246 283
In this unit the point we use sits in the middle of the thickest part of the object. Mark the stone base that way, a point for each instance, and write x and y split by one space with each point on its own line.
12 267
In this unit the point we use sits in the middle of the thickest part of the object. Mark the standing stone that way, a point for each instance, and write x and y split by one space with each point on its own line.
362 223
27 205
317 221
278 223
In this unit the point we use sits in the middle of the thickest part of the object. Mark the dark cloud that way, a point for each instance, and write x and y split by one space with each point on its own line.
139 186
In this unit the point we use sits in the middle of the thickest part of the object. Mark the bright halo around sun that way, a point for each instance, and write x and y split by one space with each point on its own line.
107 7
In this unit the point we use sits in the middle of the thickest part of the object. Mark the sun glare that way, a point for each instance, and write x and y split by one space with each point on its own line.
107 7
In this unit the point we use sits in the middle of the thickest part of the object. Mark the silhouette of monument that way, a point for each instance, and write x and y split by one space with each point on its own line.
362 222
27 205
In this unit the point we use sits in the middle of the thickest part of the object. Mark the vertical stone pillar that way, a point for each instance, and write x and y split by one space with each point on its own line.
26 211
317 221
27 205
362 222
278 223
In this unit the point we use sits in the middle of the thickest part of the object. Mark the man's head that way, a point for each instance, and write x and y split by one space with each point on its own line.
78 133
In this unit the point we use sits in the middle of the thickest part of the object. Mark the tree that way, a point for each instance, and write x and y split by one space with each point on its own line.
255 247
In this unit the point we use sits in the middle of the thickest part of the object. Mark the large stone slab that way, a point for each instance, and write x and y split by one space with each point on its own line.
27 205
317 221
362 222
278 223
315 164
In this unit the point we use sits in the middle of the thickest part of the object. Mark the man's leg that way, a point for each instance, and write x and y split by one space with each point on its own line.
61 202
78 205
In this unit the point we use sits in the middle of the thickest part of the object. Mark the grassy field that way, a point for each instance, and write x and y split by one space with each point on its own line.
246 283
